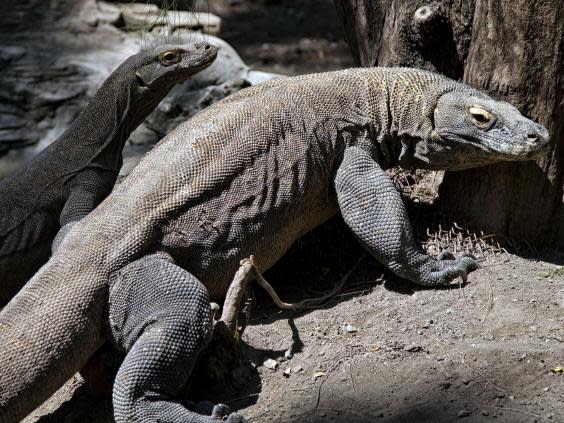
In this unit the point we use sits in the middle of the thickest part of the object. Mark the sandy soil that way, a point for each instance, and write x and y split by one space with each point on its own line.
480 352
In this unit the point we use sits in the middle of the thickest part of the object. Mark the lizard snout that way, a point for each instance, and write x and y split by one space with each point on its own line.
538 140
536 136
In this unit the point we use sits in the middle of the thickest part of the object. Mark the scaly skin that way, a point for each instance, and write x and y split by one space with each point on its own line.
68 179
248 175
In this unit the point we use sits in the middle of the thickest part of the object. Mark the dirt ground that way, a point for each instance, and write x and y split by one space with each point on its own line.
383 349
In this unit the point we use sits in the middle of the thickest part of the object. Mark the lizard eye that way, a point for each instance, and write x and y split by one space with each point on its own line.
480 117
169 57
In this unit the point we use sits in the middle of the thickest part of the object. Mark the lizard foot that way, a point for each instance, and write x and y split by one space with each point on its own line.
220 412
445 268
223 412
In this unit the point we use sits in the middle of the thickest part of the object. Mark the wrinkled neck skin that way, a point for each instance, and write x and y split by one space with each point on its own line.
404 121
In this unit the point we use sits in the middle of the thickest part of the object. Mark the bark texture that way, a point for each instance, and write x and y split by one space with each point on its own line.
512 49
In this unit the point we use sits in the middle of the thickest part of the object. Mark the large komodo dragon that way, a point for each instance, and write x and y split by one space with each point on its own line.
248 175
77 171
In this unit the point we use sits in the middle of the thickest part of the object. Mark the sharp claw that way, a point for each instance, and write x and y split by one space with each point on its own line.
220 411
464 277
445 255
470 256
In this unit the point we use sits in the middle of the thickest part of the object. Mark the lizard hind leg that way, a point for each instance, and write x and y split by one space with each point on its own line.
161 316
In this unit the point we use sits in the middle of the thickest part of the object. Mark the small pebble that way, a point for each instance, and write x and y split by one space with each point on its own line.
297 369
270 364
349 328
288 354
463 413
287 372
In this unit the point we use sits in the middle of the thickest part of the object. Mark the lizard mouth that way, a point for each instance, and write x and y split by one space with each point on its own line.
500 148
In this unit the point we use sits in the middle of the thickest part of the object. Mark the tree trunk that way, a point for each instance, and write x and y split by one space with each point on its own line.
511 49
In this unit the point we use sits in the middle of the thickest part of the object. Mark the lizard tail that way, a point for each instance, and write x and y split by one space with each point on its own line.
47 333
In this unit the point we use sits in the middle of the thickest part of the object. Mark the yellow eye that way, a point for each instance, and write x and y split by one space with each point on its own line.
169 57
480 117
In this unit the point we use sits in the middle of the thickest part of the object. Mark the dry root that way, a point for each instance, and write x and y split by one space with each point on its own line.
238 291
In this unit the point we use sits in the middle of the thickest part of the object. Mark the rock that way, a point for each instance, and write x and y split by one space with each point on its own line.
270 364
288 355
137 16
297 369
49 88
463 413
108 13
349 328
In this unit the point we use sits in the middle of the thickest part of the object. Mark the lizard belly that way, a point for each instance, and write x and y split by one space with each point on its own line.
211 245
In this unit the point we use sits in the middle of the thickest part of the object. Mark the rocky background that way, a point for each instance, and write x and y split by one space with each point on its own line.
54 55
53 62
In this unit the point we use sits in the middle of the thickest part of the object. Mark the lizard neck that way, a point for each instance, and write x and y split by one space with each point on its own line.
404 107
99 133
96 138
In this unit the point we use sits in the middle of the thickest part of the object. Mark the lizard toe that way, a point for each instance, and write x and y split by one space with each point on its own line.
442 272
220 411
446 276
236 418
446 255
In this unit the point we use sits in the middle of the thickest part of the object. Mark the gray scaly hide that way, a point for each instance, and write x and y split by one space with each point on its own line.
248 175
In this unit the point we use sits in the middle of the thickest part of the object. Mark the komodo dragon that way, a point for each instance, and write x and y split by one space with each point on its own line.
248 175
77 171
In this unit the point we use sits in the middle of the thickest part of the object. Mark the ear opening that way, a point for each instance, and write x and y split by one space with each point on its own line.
146 75
140 80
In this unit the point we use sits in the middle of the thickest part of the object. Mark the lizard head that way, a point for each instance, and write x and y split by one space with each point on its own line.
471 129
162 67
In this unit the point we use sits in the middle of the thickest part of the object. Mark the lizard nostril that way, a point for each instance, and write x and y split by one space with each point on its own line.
207 47
532 137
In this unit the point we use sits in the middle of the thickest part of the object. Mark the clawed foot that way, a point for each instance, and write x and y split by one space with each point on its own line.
446 267
219 412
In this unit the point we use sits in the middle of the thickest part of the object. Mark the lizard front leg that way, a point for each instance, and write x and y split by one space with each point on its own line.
372 207
86 190
161 316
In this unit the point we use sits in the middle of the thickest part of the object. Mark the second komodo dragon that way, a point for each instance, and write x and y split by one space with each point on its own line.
68 179
249 175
